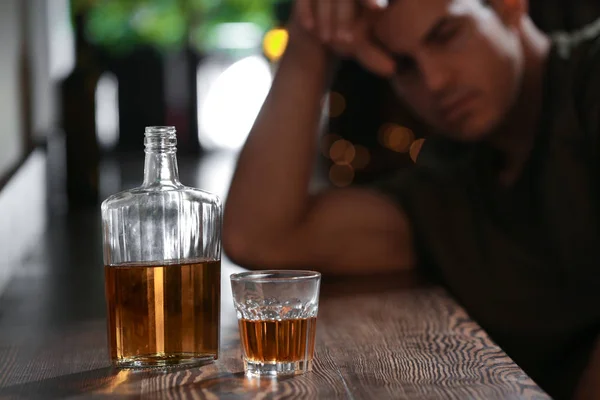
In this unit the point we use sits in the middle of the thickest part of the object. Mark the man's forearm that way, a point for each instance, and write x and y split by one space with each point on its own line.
269 192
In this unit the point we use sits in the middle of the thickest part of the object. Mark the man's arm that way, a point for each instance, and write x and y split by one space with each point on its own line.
588 387
271 220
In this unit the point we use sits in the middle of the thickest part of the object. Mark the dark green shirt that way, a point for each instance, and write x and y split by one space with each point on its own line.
524 260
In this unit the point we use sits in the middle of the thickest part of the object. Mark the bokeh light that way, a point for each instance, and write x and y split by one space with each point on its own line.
396 137
362 157
327 141
342 152
275 43
341 175
383 132
233 99
337 104
415 149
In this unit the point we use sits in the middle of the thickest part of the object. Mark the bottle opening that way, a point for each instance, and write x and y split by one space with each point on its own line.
160 131
160 139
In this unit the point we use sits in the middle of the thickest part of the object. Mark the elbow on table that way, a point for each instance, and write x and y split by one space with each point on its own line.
254 250
244 248
235 243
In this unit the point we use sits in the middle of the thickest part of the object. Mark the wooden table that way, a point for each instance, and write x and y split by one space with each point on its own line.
376 338
374 341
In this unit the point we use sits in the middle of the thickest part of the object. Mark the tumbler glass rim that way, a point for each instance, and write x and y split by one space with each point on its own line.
275 276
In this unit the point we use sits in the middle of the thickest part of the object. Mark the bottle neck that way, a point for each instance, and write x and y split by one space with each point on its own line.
160 167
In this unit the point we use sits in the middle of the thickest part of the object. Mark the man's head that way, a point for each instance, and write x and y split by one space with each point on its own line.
459 62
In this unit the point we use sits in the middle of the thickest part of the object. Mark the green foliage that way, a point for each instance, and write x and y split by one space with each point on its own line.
119 25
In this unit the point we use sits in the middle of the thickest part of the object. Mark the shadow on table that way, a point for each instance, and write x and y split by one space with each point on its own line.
169 383
62 386
228 386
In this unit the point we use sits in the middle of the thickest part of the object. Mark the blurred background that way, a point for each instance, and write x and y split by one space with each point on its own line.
80 79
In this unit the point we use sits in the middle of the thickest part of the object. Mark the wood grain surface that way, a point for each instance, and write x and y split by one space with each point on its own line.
377 338
371 344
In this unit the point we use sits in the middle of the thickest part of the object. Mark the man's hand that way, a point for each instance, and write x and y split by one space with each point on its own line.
344 26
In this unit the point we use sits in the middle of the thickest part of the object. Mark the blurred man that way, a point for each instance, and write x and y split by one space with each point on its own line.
502 205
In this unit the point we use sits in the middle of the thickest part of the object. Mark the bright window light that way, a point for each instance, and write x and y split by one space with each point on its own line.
107 111
233 100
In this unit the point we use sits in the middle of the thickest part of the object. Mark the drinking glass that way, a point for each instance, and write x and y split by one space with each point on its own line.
277 317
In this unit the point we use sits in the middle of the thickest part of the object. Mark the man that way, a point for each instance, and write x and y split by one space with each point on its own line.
502 205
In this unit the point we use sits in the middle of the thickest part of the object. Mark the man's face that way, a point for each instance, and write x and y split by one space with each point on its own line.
459 66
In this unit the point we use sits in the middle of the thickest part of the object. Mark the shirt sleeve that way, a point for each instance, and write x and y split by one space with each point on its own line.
410 189
585 50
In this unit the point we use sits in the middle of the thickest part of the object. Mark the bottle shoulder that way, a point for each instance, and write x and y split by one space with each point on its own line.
148 196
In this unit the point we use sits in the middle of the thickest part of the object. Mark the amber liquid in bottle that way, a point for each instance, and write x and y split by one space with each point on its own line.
160 315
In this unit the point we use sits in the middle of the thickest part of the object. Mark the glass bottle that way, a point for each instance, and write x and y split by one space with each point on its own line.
78 118
162 256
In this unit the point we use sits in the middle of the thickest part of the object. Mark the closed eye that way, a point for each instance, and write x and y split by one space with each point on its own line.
447 35
445 31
